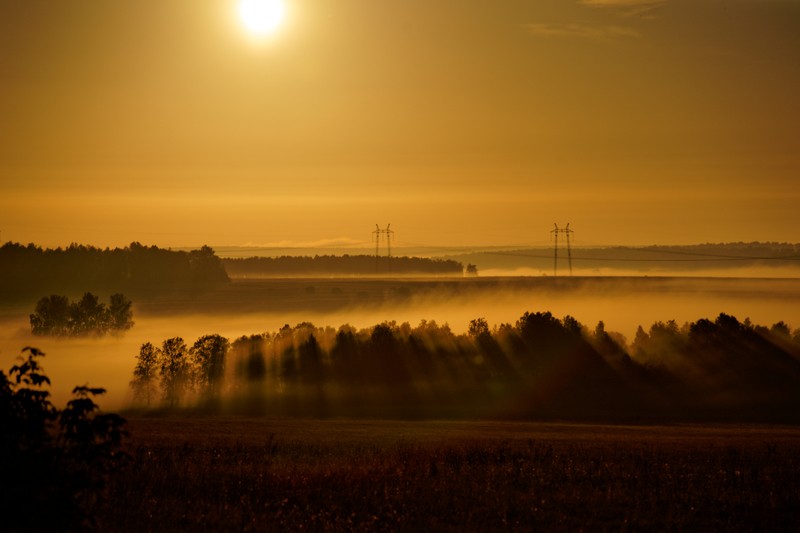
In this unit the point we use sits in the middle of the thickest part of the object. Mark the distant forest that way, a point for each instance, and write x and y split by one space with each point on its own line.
31 271
539 367
362 265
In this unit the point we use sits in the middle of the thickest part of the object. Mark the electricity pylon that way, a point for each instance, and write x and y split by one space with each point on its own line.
566 231
389 233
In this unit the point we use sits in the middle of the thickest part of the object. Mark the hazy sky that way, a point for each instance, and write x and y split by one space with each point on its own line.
457 121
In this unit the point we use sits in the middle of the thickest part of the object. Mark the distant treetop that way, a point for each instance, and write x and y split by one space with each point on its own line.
368 265
29 270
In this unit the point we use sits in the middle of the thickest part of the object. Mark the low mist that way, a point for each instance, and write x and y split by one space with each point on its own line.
622 304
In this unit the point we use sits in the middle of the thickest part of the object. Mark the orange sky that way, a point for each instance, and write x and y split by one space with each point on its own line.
163 121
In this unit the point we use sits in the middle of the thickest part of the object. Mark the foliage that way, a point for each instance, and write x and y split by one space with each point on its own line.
540 367
54 463
56 316
208 364
343 265
174 369
145 375
137 269
120 313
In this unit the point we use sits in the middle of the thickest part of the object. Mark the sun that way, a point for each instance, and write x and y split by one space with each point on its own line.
261 17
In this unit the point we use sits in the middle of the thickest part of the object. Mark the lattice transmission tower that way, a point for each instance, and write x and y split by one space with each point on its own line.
566 231
388 233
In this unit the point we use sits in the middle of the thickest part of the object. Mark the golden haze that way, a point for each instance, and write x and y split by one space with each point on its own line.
164 122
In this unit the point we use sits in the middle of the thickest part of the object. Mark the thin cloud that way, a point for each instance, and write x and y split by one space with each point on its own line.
622 3
321 243
629 8
585 31
642 9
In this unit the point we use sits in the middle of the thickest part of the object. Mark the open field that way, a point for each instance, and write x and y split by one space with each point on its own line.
248 474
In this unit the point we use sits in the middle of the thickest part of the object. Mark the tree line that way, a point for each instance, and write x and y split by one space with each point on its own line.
342 265
57 316
541 366
174 368
27 270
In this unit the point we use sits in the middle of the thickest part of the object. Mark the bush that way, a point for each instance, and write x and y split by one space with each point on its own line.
53 463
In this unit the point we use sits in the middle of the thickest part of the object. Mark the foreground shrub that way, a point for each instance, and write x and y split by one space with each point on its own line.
53 463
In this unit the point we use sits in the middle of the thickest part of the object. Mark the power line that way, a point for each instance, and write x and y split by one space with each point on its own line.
389 234
566 231
709 258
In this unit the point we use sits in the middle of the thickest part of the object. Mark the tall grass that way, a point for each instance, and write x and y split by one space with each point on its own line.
243 477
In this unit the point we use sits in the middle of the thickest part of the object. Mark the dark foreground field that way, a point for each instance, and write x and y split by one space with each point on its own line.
231 474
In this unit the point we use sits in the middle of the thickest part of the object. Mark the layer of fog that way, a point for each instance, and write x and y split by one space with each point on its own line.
770 271
622 304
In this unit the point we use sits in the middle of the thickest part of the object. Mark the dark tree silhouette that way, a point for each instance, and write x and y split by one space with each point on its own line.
345 265
145 375
249 354
88 316
385 356
54 463
478 327
345 364
52 317
312 367
140 270
120 313
174 369
540 367
208 355
57 316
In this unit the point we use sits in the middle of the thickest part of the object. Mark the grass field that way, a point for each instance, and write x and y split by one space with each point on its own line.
246 474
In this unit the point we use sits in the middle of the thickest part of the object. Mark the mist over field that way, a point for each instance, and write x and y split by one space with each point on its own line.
256 307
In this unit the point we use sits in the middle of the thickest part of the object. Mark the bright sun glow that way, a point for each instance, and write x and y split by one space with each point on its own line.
261 17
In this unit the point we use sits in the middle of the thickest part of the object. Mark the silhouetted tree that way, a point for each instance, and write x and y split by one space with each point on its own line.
57 316
88 316
145 373
310 361
248 352
52 316
345 356
781 329
544 337
120 313
572 326
640 342
288 359
54 463
478 327
543 366
208 356
206 268
346 264
174 369
385 356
